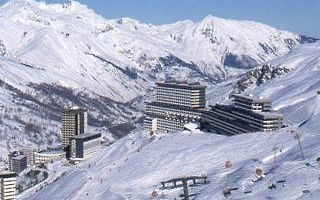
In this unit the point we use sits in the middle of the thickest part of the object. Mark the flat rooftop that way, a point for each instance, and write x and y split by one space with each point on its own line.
181 84
19 157
46 152
6 174
87 136
251 98
74 110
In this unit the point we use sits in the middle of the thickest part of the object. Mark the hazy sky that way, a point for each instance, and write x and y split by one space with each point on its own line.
299 16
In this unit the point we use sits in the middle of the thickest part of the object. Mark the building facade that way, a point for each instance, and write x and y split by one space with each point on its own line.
8 186
29 153
250 103
44 157
245 114
177 103
84 145
181 94
74 122
17 162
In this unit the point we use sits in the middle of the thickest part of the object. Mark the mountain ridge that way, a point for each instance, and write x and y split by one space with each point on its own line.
66 54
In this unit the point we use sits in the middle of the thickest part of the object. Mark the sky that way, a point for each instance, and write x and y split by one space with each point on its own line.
299 16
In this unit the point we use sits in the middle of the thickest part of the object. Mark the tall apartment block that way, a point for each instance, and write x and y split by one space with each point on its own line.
8 186
177 103
17 162
74 122
29 153
245 114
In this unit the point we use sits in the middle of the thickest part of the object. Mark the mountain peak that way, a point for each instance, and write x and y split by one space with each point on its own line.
209 20
212 23
14 6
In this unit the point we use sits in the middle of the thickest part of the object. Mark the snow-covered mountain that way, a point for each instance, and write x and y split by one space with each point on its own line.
71 46
54 55
134 166
58 55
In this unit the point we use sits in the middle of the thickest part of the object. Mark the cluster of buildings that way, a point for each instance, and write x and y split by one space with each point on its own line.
17 162
179 103
77 145
176 104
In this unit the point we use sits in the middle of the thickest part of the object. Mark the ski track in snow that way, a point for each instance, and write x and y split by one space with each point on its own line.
182 155
52 44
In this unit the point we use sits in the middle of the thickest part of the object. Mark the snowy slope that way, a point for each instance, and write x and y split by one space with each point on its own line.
295 94
61 55
135 165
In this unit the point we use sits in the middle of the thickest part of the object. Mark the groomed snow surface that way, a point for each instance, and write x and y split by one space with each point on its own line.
133 167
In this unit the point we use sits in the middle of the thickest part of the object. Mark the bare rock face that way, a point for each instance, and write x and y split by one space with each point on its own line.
3 50
259 76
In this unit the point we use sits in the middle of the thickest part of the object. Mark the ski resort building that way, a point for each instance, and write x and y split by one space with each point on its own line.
182 94
177 103
84 145
44 157
17 162
246 114
8 186
74 122
29 153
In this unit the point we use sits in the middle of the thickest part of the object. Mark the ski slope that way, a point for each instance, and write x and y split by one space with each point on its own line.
135 165
113 62
64 55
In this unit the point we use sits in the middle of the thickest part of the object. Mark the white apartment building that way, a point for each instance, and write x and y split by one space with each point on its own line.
177 103
74 122
8 186
45 157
